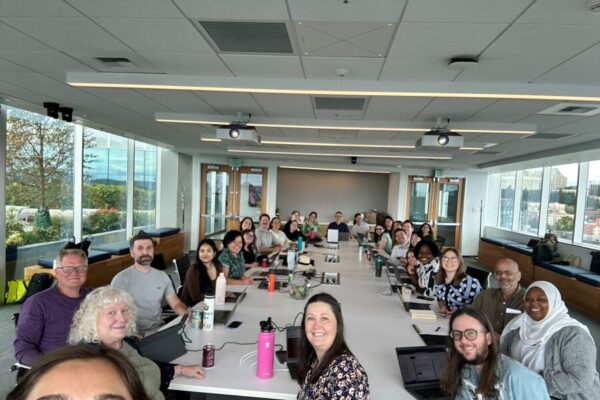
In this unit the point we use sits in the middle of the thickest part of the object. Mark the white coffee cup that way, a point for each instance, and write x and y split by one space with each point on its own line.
406 292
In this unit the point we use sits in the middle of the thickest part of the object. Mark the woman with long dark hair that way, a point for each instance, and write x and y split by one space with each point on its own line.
201 277
232 259
328 369
454 288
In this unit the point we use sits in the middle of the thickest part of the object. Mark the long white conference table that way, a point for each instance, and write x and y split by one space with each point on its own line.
375 324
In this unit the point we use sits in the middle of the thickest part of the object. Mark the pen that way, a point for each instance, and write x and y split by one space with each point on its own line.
438 328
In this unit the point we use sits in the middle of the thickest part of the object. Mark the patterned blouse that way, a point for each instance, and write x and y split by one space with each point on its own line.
344 379
235 264
426 275
456 297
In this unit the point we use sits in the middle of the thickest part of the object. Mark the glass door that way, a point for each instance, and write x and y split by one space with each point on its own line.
437 201
229 194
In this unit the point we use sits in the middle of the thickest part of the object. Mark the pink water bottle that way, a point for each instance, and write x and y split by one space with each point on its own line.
265 350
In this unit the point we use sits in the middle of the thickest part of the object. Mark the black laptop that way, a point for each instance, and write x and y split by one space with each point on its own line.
421 369
164 345
293 344
222 317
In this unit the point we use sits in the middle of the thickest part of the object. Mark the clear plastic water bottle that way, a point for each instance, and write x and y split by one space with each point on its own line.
291 259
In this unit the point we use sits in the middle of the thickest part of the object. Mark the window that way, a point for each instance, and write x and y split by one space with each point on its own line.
39 179
531 195
562 200
144 186
104 186
507 199
591 215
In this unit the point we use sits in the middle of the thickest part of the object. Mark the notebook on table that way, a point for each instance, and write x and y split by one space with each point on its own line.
421 369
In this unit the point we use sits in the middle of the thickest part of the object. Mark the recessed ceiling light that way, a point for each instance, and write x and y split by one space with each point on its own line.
298 153
333 169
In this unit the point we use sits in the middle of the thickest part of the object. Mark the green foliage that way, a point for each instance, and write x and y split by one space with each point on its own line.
103 220
102 195
565 224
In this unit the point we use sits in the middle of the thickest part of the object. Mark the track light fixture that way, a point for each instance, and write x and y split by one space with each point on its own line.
67 113
443 139
51 109
234 131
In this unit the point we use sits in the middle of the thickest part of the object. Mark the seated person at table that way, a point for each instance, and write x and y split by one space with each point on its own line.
388 224
401 246
249 249
81 372
477 371
327 368
408 227
294 233
148 286
360 227
383 240
548 341
45 317
454 289
294 216
339 224
264 238
232 259
425 232
310 228
247 223
279 237
505 302
411 261
107 316
414 239
424 276
201 277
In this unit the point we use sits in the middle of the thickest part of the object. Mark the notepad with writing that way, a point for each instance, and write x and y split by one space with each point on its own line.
422 314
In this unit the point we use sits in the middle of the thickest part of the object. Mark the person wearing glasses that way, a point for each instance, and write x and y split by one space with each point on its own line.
477 370
505 302
454 289
548 341
45 317
383 240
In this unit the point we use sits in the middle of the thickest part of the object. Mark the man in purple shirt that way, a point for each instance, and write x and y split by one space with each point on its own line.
45 318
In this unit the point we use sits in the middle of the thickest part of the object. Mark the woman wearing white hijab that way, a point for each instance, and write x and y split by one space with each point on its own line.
547 340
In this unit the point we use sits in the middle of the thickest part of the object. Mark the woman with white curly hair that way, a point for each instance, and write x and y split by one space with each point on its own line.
107 316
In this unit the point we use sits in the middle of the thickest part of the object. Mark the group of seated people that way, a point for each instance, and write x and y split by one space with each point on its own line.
396 238
508 342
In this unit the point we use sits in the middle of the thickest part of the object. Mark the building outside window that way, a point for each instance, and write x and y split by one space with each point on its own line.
144 194
563 200
507 199
591 216
531 195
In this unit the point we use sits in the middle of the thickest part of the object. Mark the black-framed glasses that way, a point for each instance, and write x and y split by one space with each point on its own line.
470 334
69 270
450 259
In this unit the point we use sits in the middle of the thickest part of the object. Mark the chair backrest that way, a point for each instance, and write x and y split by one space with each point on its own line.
439 242
182 264
481 275
158 262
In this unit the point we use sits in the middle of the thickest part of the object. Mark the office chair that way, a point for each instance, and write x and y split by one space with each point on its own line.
439 242
182 264
482 276
21 369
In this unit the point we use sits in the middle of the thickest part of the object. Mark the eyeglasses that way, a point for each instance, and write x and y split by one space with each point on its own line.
507 273
450 259
470 334
69 270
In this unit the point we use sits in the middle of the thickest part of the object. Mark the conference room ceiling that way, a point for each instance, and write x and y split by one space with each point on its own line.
543 47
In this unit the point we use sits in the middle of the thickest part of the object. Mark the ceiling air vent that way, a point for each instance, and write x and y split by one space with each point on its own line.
572 109
340 103
249 37
115 61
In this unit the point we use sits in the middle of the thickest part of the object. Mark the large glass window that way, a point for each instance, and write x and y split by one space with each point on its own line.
144 188
591 216
104 186
39 178
507 199
531 195
563 200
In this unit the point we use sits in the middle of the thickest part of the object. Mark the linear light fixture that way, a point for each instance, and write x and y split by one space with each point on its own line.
356 127
326 88
333 169
299 153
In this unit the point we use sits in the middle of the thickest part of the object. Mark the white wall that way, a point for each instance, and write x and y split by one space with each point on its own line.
393 208
166 199
184 196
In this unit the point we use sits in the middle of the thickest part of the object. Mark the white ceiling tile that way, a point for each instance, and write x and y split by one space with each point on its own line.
395 109
68 34
495 70
301 134
508 111
342 49
231 103
547 123
49 62
490 11
36 9
372 10
157 35
284 106
188 64
359 68
264 66
11 39
577 73
559 12
458 110
127 9
179 101
417 69
7 89
339 114
543 42
443 40
130 99
230 10
582 126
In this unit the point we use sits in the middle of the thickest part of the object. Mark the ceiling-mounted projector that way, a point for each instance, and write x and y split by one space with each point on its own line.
238 132
440 138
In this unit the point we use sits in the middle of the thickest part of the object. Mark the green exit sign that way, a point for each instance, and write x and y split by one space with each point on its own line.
235 162
438 173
